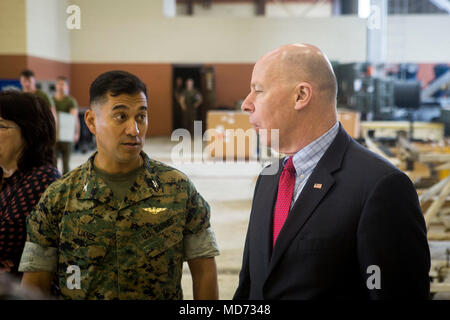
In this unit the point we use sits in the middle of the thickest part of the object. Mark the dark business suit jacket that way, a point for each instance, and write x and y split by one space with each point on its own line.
365 213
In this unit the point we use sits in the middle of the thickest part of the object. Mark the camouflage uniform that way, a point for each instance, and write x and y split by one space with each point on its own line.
131 249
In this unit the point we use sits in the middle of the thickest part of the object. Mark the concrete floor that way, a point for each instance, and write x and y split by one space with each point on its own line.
228 188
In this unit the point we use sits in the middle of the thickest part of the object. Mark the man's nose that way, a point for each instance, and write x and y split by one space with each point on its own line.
247 105
132 128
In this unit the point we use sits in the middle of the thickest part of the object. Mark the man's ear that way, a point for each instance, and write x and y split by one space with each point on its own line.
303 94
89 118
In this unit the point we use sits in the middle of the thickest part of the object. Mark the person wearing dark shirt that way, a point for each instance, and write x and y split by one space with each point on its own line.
27 168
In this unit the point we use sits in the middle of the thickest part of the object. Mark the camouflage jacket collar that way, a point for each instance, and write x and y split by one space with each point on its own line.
147 184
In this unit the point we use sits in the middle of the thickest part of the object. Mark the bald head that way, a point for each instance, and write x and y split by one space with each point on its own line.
293 90
303 62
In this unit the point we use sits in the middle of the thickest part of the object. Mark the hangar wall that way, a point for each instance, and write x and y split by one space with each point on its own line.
136 36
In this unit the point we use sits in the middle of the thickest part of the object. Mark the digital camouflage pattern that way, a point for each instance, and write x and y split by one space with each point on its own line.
125 250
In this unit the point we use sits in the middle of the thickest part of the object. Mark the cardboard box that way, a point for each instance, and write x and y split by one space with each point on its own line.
230 135
350 121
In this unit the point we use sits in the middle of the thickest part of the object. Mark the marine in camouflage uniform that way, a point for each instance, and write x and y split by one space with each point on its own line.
190 98
130 249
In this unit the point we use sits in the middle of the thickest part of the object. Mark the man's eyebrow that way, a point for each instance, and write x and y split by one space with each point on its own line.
143 108
120 106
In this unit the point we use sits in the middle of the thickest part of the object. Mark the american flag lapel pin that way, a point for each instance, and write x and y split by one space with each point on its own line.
317 186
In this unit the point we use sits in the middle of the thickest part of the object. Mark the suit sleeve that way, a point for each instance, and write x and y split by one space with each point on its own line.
243 290
393 252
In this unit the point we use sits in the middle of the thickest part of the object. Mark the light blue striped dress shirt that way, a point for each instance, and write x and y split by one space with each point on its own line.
306 159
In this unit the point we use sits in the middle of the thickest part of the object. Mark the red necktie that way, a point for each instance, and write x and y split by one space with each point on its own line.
284 198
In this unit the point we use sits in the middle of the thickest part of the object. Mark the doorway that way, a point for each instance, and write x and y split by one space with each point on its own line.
203 77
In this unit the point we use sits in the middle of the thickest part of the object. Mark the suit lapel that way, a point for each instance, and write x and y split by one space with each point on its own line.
263 213
303 208
318 185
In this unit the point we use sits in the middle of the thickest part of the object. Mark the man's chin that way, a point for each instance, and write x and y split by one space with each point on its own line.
129 155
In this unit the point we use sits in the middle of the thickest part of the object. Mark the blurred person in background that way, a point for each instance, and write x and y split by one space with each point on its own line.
28 83
178 112
190 100
68 105
27 139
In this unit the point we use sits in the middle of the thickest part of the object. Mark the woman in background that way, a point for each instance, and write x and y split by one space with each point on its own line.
27 168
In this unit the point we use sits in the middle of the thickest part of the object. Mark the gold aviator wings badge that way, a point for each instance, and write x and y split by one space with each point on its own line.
154 210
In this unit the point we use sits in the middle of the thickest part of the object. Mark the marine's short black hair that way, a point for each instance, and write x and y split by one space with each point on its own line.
27 73
115 83
35 119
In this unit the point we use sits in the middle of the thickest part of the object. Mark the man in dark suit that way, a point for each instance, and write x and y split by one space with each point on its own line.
335 221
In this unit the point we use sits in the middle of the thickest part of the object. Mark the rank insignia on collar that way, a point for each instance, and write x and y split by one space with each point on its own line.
85 187
318 186
154 185
154 210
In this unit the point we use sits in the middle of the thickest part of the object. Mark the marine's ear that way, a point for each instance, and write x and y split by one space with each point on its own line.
89 119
